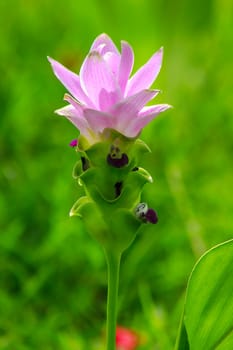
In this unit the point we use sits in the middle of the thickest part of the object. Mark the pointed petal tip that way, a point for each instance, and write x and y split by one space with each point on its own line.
51 60
159 54
103 39
67 97
58 112
160 51
63 111
74 102
127 46
125 43
155 91
164 107
103 36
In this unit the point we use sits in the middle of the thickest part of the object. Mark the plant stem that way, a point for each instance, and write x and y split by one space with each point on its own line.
113 262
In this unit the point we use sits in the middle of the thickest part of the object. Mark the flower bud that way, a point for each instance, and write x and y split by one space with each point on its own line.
151 216
73 143
146 214
141 210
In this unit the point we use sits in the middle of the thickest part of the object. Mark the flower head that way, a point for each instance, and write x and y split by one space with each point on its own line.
104 95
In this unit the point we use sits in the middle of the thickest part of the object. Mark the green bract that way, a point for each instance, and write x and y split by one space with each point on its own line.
111 193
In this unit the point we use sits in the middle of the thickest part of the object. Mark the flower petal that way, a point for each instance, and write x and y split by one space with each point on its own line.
127 110
95 76
146 75
67 111
74 116
113 62
70 80
107 100
126 65
106 43
142 120
147 110
78 106
97 120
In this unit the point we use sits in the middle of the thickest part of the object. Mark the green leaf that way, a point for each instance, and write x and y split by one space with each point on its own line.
182 339
208 312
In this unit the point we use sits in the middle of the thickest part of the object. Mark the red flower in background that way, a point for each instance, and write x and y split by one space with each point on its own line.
126 339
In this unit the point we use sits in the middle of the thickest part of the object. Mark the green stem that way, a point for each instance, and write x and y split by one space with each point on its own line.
113 262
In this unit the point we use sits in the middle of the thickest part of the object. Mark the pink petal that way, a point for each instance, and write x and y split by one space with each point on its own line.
146 75
112 61
144 118
99 49
78 120
147 110
128 109
67 111
95 76
126 64
107 99
97 120
70 80
78 107
106 43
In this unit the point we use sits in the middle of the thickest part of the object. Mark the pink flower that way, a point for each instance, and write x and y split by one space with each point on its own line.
104 95
126 339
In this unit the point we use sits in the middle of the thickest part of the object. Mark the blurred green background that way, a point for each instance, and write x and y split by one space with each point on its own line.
52 274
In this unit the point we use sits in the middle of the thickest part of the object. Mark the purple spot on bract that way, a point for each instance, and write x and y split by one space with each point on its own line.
118 188
73 143
151 216
118 162
85 163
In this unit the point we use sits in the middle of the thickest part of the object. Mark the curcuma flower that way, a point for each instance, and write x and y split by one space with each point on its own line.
109 109
104 96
